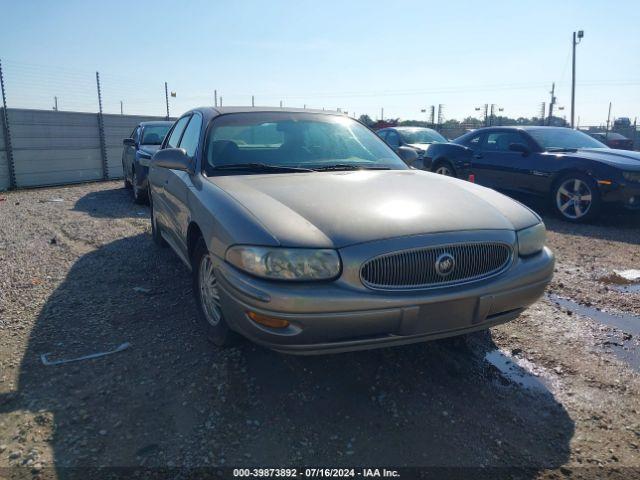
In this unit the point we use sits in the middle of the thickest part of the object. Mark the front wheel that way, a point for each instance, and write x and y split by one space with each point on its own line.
207 296
139 194
127 184
576 198
444 168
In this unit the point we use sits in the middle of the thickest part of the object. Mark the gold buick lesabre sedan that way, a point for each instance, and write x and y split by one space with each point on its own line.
306 233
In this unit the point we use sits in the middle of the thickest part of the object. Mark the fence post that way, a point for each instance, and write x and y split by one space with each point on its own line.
103 143
7 134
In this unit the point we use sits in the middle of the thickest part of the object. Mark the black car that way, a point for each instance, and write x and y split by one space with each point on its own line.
577 173
145 140
613 140
413 138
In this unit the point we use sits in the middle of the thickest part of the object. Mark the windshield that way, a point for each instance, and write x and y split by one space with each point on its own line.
294 140
422 135
563 138
154 134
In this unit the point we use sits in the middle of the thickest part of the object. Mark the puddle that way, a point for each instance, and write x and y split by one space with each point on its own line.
633 288
519 371
624 321
625 349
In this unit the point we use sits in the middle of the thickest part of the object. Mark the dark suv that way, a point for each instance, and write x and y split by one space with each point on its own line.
145 140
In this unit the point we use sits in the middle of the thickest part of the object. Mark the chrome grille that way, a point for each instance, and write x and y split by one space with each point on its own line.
416 268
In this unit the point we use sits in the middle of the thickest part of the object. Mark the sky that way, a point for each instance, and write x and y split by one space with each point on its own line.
360 56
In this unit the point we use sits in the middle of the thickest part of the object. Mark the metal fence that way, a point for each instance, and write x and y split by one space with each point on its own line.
57 148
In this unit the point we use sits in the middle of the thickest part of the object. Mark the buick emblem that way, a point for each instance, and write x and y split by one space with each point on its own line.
445 264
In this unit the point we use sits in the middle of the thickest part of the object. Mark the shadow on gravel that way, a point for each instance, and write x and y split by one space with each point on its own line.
173 399
115 203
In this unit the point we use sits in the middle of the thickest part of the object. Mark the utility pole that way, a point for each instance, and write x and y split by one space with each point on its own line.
166 97
486 114
552 102
606 134
542 113
382 114
440 113
253 101
121 108
280 103
575 42
55 104
491 115
215 98
220 100
433 115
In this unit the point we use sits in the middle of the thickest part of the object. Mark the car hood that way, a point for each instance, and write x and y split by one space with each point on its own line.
611 156
149 149
336 209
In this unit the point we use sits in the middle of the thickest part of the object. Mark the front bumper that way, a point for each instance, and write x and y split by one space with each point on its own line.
625 195
331 317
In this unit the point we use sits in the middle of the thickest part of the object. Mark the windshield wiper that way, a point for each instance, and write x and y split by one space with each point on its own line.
348 166
561 149
260 167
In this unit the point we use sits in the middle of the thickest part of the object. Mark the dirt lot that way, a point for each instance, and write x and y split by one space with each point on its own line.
556 391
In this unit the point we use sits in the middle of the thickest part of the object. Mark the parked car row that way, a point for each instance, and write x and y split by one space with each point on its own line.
307 233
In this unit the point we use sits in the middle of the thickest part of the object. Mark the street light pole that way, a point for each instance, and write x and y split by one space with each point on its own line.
577 36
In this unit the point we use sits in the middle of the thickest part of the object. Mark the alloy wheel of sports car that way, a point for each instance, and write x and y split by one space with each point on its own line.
207 293
576 198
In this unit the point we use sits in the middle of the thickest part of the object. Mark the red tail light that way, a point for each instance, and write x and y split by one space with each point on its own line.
472 177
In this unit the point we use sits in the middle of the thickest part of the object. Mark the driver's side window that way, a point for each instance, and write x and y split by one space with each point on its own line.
500 141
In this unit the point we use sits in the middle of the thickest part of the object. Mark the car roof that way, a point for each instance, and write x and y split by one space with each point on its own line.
231 109
156 123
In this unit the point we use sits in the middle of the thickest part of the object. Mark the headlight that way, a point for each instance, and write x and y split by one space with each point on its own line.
632 176
531 240
286 263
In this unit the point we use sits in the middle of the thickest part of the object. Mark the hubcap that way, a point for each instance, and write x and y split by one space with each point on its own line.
209 296
443 170
574 198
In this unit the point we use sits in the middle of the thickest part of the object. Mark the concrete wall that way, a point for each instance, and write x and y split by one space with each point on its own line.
56 148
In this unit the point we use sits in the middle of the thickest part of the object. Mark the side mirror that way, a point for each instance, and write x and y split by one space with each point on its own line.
129 142
408 155
519 147
172 158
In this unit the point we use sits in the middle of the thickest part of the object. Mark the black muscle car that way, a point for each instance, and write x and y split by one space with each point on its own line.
577 173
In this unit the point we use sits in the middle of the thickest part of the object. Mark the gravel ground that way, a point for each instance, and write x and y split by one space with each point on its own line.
556 391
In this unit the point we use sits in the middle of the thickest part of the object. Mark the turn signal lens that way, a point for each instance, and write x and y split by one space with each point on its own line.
268 321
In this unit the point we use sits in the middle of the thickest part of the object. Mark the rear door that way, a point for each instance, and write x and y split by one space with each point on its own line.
179 183
158 178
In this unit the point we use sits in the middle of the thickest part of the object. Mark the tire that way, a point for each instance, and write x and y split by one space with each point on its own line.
139 195
444 167
127 183
575 197
155 228
207 298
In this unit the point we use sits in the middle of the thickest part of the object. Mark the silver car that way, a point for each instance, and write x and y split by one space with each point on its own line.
307 234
